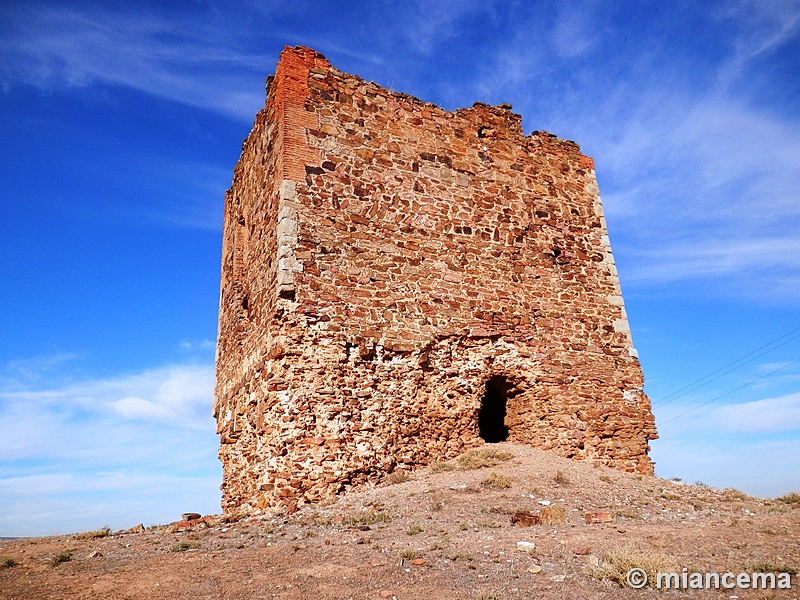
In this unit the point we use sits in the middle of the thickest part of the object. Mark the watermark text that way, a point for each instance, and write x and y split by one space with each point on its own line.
638 578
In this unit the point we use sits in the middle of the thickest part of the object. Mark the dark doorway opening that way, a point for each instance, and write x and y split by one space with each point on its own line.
492 416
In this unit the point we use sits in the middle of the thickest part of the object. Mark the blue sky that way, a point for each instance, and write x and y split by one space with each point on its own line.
119 129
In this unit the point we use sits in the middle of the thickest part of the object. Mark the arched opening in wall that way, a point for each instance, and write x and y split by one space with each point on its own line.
492 415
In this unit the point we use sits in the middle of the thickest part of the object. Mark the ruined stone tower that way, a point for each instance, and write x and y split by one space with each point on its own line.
400 283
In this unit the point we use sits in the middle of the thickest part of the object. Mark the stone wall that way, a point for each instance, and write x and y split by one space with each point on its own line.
401 283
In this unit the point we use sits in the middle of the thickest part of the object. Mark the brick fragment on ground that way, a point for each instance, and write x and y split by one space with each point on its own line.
599 516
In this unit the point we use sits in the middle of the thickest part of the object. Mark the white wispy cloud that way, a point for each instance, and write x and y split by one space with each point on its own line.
195 345
182 60
574 32
141 446
180 392
25 371
698 183
706 258
428 25
762 416
699 180
184 194
763 27
734 405
767 468
741 431
63 503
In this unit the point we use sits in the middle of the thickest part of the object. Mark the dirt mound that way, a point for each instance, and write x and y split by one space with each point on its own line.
446 532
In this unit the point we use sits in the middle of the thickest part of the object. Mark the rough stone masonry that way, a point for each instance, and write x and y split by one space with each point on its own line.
401 283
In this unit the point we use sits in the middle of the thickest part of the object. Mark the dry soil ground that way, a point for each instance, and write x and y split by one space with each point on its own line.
440 534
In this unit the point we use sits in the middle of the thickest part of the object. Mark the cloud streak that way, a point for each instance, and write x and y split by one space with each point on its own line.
141 439
762 416
178 60
699 180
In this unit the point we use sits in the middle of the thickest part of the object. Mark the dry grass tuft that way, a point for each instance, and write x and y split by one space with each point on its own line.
184 546
7 562
732 494
552 515
398 477
771 567
497 481
479 458
561 478
439 467
615 564
92 535
62 557
628 513
792 498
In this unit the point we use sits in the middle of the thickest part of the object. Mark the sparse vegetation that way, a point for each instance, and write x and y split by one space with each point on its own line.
398 477
561 478
628 513
606 479
771 567
498 510
479 458
732 494
489 524
497 481
439 467
414 530
184 546
410 554
7 562
615 564
62 557
93 535
792 498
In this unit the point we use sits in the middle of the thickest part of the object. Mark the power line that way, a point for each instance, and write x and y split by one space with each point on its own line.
730 392
705 379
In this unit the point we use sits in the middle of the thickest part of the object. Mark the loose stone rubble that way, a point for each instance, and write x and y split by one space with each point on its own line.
400 283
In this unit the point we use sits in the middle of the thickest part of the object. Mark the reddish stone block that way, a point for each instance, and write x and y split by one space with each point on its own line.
599 516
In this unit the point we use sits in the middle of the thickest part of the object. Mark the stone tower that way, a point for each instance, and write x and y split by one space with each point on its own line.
401 283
